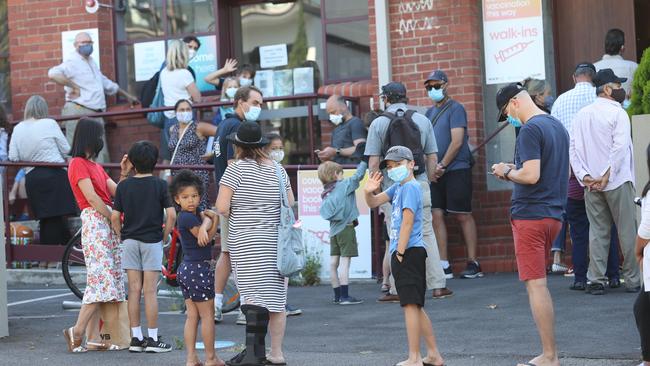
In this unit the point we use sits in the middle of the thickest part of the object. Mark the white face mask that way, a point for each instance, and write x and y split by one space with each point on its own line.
336 119
245 81
191 53
277 155
184 117
230 92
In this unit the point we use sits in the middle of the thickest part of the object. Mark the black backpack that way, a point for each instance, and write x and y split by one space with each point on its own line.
403 131
148 90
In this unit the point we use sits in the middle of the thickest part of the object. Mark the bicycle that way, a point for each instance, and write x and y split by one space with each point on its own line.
74 274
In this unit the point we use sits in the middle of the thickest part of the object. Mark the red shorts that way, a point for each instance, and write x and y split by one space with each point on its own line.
533 240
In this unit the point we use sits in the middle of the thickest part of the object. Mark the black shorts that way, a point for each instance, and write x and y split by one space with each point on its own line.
410 276
453 192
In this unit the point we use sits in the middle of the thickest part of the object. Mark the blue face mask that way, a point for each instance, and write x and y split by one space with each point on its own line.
514 121
436 94
86 50
398 174
548 101
253 113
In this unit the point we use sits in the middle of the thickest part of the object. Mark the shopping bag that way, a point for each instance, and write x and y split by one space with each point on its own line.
114 324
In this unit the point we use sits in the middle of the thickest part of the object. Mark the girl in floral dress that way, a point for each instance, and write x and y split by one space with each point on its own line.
93 190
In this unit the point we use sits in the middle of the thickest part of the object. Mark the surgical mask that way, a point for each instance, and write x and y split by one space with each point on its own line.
245 81
436 94
548 102
184 117
336 119
398 174
514 121
277 155
86 50
253 113
230 92
191 53
618 95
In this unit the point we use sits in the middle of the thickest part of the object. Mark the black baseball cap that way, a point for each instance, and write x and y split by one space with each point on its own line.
393 89
605 76
586 65
504 95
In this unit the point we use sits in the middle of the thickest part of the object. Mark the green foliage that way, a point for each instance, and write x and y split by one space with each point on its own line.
640 103
299 47
311 272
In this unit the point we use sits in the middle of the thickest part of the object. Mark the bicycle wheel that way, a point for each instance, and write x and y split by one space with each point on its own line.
74 266
230 296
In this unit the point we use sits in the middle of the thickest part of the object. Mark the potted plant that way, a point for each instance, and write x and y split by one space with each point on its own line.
639 111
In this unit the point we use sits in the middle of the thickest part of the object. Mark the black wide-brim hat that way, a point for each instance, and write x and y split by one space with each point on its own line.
248 135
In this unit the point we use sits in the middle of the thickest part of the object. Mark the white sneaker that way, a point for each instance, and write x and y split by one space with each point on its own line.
559 268
241 318
218 315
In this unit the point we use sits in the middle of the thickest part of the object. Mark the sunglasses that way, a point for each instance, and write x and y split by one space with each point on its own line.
437 87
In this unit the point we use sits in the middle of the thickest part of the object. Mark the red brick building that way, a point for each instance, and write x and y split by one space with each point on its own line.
356 45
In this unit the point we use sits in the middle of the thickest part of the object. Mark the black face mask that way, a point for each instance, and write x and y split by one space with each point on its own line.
618 95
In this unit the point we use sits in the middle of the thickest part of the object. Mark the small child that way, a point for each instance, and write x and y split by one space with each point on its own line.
196 272
143 199
339 207
407 248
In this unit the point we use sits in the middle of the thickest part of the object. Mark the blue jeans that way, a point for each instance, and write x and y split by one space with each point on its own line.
560 242
579 231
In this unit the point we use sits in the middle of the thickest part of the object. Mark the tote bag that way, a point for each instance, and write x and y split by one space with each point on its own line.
157 118
291 253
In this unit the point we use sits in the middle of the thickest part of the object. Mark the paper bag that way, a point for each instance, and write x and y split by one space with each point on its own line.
114 324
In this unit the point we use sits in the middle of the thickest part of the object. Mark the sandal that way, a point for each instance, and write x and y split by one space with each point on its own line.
74 345
385 288
98 346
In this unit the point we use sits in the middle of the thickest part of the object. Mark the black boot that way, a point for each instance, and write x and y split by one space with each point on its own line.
257 322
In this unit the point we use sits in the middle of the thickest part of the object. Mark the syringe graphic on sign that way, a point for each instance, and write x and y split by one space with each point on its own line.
509 52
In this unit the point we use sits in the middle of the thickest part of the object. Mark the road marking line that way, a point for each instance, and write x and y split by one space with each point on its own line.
39 299
37 290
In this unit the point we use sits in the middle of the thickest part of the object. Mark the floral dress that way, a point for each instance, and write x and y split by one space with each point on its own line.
191 148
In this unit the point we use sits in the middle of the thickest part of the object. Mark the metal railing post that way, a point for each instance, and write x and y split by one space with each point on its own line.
4 311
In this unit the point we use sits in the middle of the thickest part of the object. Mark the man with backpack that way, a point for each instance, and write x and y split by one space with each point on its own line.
452 193
399 126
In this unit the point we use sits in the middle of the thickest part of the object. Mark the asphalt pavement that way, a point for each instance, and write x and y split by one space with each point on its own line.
486 322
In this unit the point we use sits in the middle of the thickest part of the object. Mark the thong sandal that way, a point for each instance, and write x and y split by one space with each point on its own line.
273 363
74 345
97 346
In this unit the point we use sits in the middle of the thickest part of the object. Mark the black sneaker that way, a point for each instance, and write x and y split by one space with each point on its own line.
156 346
473 270
137 345
596 289
449 274
350 301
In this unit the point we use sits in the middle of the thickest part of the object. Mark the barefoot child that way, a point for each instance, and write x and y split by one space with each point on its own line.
143 199
196 272
339 207
407 249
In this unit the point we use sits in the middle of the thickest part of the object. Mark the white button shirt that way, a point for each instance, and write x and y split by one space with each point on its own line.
92 83
622 68
600 140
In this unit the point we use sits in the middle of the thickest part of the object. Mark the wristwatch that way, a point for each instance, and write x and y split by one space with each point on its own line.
338 151
505 175
399 254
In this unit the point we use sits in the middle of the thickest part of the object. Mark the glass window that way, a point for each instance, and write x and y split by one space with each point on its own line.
190 16
141 19
345 8
5 91
348 50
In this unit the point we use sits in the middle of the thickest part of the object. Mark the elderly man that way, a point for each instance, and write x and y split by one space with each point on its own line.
85 86
602 160
348 133
540 175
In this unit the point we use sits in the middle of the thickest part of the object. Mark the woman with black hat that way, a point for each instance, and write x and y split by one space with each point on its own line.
249 195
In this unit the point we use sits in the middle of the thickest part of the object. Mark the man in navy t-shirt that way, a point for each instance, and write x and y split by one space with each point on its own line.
540 175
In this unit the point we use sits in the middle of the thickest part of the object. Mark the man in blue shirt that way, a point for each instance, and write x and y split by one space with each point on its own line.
452 192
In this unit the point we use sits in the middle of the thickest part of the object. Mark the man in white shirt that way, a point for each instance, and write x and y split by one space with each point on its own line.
85 86
613 59
602 160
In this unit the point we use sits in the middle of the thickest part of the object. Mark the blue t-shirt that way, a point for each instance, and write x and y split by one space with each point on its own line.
543 137
225 151
454 117
192 252
408 195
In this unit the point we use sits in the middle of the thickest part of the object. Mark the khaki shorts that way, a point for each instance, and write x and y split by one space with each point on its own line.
223 224
344 244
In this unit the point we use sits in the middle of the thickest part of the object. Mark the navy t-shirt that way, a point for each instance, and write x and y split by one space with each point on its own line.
192 252
225 151
344 135
453 117
543 137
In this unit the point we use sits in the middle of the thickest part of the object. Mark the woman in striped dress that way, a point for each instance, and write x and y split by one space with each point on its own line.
249 195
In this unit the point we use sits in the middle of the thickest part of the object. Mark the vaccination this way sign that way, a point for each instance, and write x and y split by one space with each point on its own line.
316 229
513 35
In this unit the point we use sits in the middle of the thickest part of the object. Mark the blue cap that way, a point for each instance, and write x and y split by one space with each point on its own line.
437 75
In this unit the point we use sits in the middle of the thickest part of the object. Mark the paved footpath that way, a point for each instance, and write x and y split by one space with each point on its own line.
487 322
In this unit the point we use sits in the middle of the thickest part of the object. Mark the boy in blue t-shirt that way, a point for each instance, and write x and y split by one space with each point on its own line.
407 249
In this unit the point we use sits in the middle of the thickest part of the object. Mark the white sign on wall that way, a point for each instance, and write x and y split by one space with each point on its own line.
513 38
273 56
67 43
316 229
148 57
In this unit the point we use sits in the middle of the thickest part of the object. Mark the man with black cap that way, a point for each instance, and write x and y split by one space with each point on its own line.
565 108
393 95
452 193
602 160
540 174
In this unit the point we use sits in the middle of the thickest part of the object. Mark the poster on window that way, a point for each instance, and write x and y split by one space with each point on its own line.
148 57
316 229
205 61
67 43
513 38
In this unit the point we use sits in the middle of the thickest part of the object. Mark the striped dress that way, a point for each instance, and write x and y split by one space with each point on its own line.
253 233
